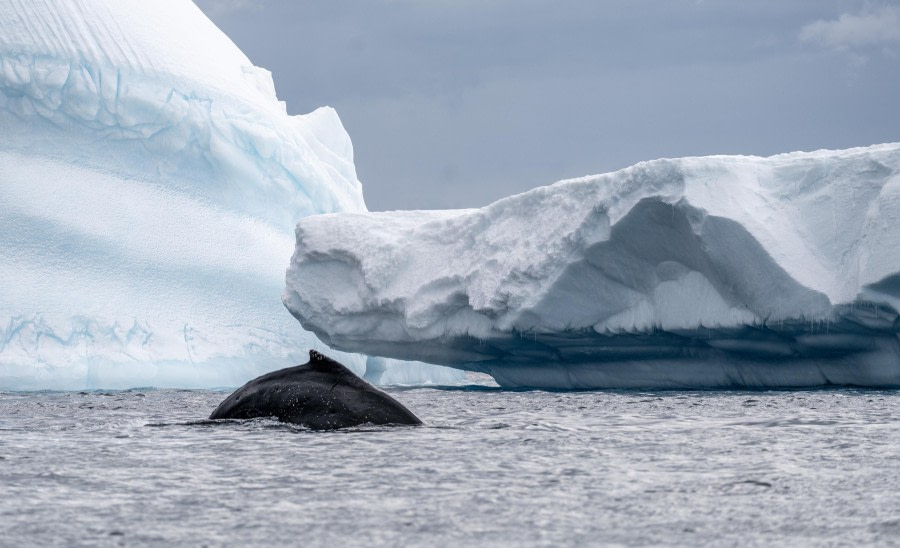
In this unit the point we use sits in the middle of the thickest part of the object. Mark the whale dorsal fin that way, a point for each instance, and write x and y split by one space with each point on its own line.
321 362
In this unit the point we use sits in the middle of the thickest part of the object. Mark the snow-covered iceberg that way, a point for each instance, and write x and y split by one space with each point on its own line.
721 271
150 181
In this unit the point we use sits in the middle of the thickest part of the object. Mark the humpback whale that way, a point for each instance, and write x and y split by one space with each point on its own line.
321 394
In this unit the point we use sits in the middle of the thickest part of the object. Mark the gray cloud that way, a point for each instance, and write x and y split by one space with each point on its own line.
872 27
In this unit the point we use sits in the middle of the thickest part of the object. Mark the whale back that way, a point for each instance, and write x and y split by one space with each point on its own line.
320 394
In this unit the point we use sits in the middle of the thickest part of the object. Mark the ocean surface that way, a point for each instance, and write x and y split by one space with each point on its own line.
491 467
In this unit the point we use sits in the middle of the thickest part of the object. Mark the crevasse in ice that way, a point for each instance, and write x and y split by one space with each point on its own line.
150 181
720 271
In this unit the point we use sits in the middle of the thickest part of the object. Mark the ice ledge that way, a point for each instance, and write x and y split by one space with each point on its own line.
640 266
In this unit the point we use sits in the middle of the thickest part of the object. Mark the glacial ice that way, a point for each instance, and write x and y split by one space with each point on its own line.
723 271
150 181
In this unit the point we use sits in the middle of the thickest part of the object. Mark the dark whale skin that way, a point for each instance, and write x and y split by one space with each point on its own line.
321 394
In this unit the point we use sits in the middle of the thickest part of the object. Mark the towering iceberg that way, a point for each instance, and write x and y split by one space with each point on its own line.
150 181
697 272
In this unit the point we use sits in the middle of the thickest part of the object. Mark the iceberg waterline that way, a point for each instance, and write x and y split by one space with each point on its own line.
724 271
150 180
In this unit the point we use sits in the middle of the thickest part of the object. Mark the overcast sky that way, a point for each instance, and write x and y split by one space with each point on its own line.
456 103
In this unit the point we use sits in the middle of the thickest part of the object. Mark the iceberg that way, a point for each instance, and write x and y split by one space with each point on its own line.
150 180
713 272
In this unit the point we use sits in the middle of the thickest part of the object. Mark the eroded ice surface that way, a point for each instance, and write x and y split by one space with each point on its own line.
150 180
698 272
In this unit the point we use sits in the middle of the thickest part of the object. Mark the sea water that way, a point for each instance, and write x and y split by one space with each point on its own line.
490 467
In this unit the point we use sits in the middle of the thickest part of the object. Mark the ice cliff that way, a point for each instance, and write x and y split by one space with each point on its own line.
723 271
150 181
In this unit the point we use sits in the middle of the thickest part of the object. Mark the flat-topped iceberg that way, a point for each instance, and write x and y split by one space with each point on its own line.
150 181
721 271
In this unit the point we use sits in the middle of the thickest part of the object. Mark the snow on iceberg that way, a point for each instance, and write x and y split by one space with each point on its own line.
724 271
150 181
